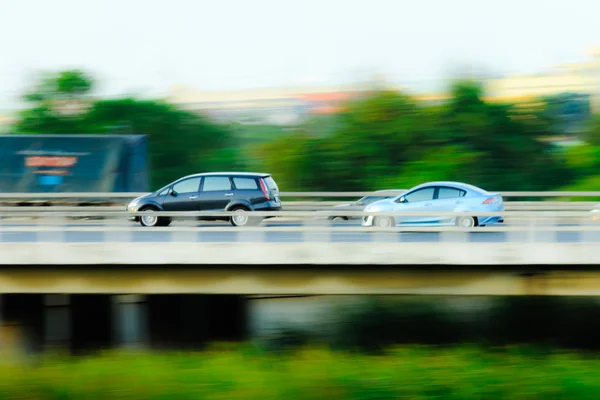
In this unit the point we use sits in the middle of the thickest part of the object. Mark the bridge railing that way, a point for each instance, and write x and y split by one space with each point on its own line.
348 194
296 226
316 206
292 201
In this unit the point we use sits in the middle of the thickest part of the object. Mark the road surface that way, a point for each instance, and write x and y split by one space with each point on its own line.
214 232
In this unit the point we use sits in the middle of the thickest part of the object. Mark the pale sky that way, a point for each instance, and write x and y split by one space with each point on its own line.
148 45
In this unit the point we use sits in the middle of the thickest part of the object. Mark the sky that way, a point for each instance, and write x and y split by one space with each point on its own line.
146 47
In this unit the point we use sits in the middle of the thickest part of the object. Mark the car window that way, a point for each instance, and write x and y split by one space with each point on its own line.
164 191
245 183
215 183
420 195
190 185
271 184
450 193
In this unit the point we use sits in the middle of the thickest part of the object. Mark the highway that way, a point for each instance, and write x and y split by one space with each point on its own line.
345 232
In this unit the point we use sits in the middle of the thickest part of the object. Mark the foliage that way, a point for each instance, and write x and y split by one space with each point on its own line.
387 140
180 142
375 324
383 140
312 373
593 136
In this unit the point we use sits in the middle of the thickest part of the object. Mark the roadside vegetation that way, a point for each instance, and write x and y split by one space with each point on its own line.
310 373
383 140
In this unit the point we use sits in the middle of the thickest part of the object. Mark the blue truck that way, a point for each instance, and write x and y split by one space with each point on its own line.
73 163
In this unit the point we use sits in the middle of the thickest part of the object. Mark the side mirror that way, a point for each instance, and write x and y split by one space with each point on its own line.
402 200
359 203
172 192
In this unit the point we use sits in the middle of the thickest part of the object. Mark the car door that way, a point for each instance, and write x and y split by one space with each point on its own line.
183 195
448 199
216 193
419 200
247 190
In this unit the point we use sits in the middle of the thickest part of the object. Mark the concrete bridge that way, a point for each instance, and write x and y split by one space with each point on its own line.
100 283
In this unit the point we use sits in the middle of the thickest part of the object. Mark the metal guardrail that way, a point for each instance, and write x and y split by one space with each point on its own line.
301 214
118 195
315 206
525 239
520 226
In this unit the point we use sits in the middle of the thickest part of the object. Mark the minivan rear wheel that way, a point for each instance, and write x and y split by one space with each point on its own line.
242 218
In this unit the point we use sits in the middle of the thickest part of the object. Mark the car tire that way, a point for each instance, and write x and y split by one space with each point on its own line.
163 221
338 219
243 219
149 221
466 222
384 222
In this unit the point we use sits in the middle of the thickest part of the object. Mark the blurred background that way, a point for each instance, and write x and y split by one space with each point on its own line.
127 96
324 95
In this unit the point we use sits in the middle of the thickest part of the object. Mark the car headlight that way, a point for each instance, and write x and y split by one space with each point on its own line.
133 203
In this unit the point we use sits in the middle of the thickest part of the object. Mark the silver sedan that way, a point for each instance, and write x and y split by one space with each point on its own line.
438 197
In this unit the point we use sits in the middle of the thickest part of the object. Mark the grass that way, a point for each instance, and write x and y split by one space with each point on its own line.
312 373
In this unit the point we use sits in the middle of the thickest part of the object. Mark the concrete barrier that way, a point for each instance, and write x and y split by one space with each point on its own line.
307 253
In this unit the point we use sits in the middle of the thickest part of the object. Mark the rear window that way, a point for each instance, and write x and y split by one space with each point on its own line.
271 183
450 193
245 183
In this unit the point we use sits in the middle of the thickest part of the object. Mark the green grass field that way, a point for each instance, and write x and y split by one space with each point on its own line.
248 373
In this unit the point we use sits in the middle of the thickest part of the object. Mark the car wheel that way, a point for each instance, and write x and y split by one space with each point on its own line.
465 222
164 221
149 220
384 222
338 219
242 218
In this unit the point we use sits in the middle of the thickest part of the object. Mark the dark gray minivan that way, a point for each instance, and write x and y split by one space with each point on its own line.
241 192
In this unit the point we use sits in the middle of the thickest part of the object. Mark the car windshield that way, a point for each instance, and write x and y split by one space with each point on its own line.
163 190
371 199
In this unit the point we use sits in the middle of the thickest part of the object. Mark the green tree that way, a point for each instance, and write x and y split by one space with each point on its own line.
387 140
180 142
58 102
593 133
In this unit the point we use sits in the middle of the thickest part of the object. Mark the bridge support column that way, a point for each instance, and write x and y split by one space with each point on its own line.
23 319
92 322
191 321
130 321
57 321
177 321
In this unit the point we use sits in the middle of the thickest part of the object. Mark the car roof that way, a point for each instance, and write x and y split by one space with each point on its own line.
228 173
459 185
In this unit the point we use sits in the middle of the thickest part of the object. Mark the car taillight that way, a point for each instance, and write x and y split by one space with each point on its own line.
491 200
263 186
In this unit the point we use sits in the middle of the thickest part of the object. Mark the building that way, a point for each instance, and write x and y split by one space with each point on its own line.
578 79
291 105
281 106
6 121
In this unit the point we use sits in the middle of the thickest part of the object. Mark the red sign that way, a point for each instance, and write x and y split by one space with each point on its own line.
46 161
